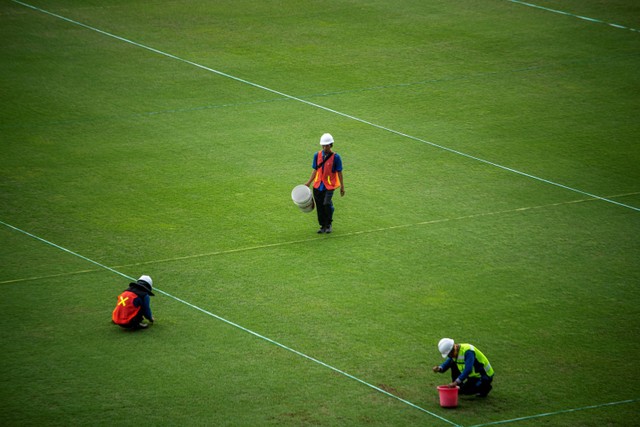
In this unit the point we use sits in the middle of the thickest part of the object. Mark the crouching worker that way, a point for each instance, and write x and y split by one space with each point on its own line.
133 305
470 369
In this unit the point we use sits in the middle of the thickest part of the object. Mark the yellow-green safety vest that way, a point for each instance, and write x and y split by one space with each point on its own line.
479 357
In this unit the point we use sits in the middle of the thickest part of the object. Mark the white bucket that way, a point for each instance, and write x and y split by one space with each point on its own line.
302 197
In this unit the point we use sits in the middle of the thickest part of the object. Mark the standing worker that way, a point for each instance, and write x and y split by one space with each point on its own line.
133 305
326 177
470 368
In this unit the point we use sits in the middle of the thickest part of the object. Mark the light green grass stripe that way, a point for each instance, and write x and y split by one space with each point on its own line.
565 411
311 239
234 324
574 15
395 132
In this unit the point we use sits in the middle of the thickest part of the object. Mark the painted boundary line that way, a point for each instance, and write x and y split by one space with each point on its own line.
597 21
255 334
293 242
548 414
293 98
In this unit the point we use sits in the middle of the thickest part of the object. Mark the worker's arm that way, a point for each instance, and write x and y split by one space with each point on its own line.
313 174
146 308
469 360
444 367
314 171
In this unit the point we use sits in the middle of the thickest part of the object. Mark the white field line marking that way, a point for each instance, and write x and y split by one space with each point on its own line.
395 132
312 239
598 21
548 414
234 324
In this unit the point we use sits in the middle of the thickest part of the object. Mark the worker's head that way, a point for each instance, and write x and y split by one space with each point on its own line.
326 140
146 283
445 346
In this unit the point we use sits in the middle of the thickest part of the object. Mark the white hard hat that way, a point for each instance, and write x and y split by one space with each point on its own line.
444 346
326 139
146 283
147 279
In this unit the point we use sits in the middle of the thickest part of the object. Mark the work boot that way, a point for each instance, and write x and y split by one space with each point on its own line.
328 229
485 392
321 231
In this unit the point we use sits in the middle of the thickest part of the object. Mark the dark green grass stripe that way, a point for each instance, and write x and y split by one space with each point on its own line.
445 79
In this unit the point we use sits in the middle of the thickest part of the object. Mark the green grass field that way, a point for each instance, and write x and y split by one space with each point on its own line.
492 195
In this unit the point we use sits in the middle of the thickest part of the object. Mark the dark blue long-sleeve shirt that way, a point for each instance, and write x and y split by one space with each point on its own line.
469 360
145 304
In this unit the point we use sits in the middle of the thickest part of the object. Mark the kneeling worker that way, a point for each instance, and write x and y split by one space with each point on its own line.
133 305
470 369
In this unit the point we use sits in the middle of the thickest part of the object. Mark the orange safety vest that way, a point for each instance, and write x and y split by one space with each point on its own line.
326 174
125 310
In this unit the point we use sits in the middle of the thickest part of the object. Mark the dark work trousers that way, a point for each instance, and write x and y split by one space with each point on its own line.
135 322
324 206
472 385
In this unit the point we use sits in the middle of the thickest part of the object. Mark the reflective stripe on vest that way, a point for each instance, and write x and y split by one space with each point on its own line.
125 310
481 358
325 173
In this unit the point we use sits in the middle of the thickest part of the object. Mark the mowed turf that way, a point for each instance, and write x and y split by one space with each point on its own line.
472 137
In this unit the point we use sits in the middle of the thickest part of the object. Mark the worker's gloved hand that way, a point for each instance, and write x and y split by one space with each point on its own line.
437 369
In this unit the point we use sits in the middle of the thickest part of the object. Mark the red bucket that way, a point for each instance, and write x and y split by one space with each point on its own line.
448 396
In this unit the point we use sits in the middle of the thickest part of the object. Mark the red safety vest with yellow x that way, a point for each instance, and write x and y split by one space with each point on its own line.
125 309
